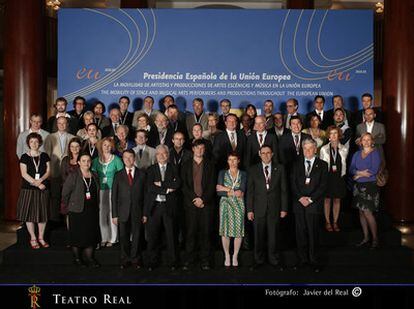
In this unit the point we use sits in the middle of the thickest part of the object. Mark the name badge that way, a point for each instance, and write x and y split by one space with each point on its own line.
104 180
88 195
334 168
37 176
307 181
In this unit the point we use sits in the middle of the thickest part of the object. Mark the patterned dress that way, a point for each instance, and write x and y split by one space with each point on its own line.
232 209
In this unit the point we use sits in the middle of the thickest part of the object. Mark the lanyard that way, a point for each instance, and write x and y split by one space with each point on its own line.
88 185
36 165
105 165
263 138
234 181
334 154
123 119
91 149
181 156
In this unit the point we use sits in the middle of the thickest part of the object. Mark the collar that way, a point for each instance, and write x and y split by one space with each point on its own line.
312 161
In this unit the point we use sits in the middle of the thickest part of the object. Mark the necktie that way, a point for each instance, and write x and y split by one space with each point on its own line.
308 168
140 153
260 139
297 143
163 172
233 141
130 176
267 176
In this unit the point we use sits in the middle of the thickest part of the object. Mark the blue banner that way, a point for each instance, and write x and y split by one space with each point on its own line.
247 56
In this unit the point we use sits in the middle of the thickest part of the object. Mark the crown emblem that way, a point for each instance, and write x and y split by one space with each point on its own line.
34 289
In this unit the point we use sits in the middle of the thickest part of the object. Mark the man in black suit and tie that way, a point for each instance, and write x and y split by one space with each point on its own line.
225 106
367 102
114 117
267 202
278 128
160 207
228 141
162 134
292 107
338 102
318 104
290 148
127 208
256 140
198 180
308 185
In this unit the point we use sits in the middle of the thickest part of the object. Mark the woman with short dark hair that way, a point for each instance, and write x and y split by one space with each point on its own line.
33 202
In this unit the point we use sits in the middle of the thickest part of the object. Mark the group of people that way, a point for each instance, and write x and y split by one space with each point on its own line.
177 179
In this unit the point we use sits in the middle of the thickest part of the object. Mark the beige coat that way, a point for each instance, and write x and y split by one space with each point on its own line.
53 149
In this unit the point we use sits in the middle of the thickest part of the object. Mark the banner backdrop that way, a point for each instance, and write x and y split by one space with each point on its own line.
247 56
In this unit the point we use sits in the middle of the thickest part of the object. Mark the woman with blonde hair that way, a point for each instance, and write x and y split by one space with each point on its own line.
106 165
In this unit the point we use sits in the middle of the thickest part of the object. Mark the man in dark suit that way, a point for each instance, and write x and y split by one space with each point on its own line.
162 133
61 106
228 141
79 104
278 128
267 202
115 122
256 140
268 106
318 104
359 116
126 117
160 207
308 185
198 179
127 207
290 148
225 106
338 102
175 123
292 107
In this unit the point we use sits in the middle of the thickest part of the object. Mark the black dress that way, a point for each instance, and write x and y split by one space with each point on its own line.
84 226
336 183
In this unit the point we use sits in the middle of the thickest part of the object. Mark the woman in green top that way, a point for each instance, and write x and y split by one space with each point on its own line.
106 165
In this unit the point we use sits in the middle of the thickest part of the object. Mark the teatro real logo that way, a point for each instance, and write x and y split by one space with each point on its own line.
34 294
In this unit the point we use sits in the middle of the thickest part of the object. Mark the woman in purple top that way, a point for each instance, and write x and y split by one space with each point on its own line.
364 168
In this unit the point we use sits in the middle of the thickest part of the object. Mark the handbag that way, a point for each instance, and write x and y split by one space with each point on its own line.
382 177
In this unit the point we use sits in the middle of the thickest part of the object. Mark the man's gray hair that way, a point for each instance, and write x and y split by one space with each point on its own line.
309 140
162 147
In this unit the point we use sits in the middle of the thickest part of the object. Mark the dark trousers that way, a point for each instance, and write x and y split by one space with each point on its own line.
266 231
158 220
307 232
55 199
129 238
199 227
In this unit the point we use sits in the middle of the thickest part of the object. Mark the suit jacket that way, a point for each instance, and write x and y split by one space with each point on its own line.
128 201
103 122
185 156
154 137
73 191
252 149
287 149
208 183
378 132
51 126
138 113
190 121
148 157
53 149
358 116
222 148
172 181
109 130
261 201
126 119
273 131
325 121
315 189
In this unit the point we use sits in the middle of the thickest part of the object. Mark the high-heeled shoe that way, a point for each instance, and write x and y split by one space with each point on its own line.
43 243
336 227
363 243
328 226
227 263
34 244
235 261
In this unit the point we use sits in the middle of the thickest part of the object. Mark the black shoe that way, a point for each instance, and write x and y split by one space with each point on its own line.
78 262
205 267
374 245
136 265
125 264
300 265
186 267
256 266
93 263
364 243
278 266
316 268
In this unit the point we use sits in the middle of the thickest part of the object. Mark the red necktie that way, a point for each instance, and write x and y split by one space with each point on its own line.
130 177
